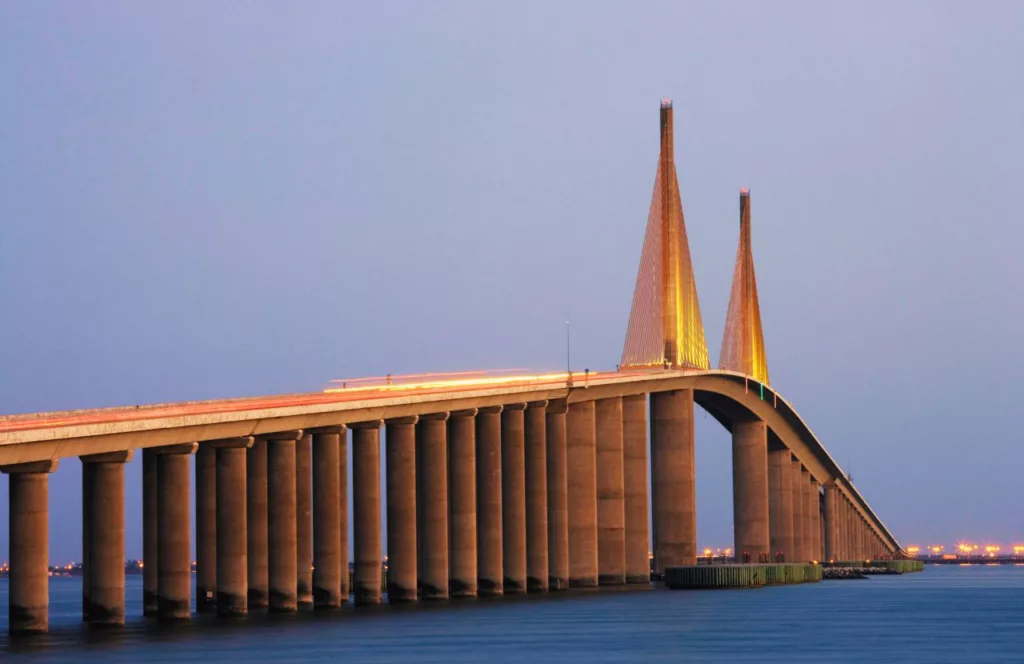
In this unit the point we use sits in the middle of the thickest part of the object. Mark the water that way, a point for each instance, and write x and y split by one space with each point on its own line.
946 614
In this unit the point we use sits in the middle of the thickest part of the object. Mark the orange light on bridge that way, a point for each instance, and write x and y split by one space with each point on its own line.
913 550
935 549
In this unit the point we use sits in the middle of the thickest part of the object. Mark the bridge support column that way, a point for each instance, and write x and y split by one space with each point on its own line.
611 507
401 492
330 539
28 583
634 476
462 497
490 581
807 521
799 502
513 499
368 570
432 505
815 511
558 501
206 528
103 537
257 555
282 529
174 532
304 518
150 550
829 516
231 525
673 479
581 465
750 490
536 497
780 503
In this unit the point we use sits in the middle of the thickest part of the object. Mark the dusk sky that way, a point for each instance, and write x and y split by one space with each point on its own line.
203 200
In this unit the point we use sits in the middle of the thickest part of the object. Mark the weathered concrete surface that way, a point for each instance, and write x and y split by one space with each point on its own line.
304 517
807 521
329 568
103 542
174 535
581 465
634 450
149 537
366 576
558 515
535 444
256 529
780 503
282 531
206 528
401 492
490 580
513 499
796 482
462 496
673 480
232 545
28 583
750 490
611 505
432 505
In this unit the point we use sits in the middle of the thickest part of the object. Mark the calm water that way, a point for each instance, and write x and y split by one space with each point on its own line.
946 614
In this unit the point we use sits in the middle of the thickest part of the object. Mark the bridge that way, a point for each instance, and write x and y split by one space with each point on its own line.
494 484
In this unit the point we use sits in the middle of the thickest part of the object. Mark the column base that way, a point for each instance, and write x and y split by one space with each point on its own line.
583 583
283 602
432 593
513 586
258 599
229 605
558 583
611 580
29 620
170 609
400 594
488 588
461 589
646 579
535 585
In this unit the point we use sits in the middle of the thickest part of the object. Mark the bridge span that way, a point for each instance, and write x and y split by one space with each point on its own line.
523 484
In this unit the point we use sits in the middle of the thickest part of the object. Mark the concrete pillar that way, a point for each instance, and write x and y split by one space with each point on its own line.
150 562
513 499
611 505
304 518
462 499
103 541
831 531
634 452
174 532
815 506
490 580
282 531
535 443
796 483
330 568
558 516
581 466
673 480
780 503
432 505
401 492
28 580
807 525
750 490
206 528
231 523
366 575
257 556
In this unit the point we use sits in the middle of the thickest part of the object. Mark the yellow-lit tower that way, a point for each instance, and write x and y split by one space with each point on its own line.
665 327
743 341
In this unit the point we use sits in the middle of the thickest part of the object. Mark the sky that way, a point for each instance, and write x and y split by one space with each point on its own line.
203 200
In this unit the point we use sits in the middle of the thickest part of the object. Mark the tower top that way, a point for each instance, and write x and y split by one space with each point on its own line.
666 103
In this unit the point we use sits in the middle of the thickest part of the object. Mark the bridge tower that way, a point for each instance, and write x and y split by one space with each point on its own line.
743 340
665 327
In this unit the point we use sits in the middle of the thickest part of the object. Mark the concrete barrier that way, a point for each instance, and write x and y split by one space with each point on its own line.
740 576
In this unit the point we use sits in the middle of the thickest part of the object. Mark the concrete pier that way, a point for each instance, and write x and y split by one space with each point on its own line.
611 506
634 452
401 493
535 447
330 568
28 582
807 523
462 500
815 507
282 531
831 534
432 505
581 464
150 560
103 541
513 499
304 518
367 556
206 528
174 533
558 515
490 579
256 528
673 480
796 482
750 491
780 503
232 554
